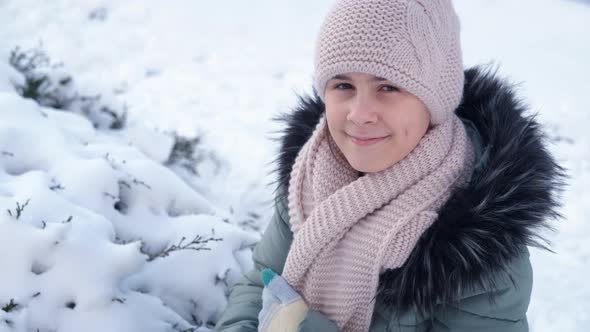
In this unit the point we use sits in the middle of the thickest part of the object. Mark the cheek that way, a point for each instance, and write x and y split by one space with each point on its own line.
421 114
405 129
414 123
336 119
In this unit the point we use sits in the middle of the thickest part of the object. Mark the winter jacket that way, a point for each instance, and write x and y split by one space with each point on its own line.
470 271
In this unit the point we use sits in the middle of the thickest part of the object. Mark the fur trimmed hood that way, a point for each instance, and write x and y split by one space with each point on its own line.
511 196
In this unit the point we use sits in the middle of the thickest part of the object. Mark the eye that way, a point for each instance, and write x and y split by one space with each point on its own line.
389 88
342 86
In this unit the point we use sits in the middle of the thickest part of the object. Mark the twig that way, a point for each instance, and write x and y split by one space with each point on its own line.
197 243
19 209
10 306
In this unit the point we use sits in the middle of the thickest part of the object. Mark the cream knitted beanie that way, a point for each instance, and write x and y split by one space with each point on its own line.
415 44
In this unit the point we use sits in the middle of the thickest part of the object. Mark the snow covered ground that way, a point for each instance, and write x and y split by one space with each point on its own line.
112 229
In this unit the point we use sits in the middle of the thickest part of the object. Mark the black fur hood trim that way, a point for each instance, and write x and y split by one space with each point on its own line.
510 198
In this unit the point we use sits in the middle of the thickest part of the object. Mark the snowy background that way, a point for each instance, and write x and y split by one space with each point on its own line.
136 150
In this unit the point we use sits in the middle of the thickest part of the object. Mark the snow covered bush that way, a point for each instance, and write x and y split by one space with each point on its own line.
50 85
98 234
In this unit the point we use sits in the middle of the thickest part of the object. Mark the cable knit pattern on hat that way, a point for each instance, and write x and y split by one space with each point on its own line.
348 229
415 44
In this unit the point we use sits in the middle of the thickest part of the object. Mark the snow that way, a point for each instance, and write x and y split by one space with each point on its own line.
89 222
105 204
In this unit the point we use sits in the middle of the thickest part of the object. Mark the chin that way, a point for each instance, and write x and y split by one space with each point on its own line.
361 167
359 164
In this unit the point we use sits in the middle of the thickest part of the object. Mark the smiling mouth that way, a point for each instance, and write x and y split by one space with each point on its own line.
365 142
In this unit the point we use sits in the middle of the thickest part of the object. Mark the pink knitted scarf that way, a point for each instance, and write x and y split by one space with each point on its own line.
348 229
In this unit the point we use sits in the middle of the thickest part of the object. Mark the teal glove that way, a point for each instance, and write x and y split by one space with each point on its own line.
282 307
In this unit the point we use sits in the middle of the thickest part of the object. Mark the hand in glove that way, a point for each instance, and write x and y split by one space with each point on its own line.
282 307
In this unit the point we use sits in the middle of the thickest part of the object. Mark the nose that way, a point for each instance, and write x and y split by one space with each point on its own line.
362 110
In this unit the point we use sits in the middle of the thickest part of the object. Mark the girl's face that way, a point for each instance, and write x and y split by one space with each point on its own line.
372 122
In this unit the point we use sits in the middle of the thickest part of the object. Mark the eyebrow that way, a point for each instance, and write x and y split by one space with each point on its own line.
347 78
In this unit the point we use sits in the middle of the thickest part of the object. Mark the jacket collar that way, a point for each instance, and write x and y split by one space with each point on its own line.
511 195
